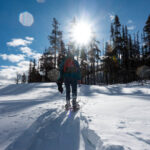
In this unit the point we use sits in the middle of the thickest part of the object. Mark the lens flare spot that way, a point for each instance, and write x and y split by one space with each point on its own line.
26 19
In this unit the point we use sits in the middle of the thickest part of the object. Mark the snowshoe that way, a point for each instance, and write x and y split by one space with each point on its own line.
67 106
76 108
75 105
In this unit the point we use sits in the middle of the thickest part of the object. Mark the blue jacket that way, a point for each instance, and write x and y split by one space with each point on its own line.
73 75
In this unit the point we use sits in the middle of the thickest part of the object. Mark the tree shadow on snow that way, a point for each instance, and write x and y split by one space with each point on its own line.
19 105
17 89
50 132
114 91
10 106
15 106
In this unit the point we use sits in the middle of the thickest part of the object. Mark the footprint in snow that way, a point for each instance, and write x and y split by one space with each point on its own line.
89 119
30 118
122 125
137 133
122 122
12 116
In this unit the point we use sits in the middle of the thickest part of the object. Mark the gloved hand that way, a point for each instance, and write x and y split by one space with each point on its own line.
60 88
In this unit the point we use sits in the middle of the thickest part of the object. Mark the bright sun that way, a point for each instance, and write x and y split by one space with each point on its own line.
81 33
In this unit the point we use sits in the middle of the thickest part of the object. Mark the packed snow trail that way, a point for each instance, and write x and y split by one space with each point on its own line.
32 117
50 132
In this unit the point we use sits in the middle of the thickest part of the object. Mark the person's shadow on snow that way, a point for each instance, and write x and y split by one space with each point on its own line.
51 131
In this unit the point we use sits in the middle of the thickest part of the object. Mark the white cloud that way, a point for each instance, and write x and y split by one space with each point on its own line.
23 43
12 57
24 65
112 17
130 21
132 27
8 73
27 51
29 38
26 19
19 42
3 66
40 1
37 55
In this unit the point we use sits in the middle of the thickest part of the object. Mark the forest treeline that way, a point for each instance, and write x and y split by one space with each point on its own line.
125 58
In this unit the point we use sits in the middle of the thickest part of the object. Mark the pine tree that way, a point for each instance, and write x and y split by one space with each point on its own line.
107 66
117 52
142 50
147 33
84 65
62 53
30 72
94 59
116 37
147 41
55 39
124 73
97 58
34 72
23 80
131 58
46 63
33 75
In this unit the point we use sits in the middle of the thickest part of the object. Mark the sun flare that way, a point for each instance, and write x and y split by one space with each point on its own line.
81 33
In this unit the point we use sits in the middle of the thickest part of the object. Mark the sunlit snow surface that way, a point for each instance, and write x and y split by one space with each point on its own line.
26 19
116 117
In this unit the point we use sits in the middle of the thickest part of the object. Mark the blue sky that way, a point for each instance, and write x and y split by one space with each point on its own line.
20 41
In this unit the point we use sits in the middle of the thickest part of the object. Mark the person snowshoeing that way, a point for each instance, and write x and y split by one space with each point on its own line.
71 76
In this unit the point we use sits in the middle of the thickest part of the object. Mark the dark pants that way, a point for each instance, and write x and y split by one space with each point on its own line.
71 83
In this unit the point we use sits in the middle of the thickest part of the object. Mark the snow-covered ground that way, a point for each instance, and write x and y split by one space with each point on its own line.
116 117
